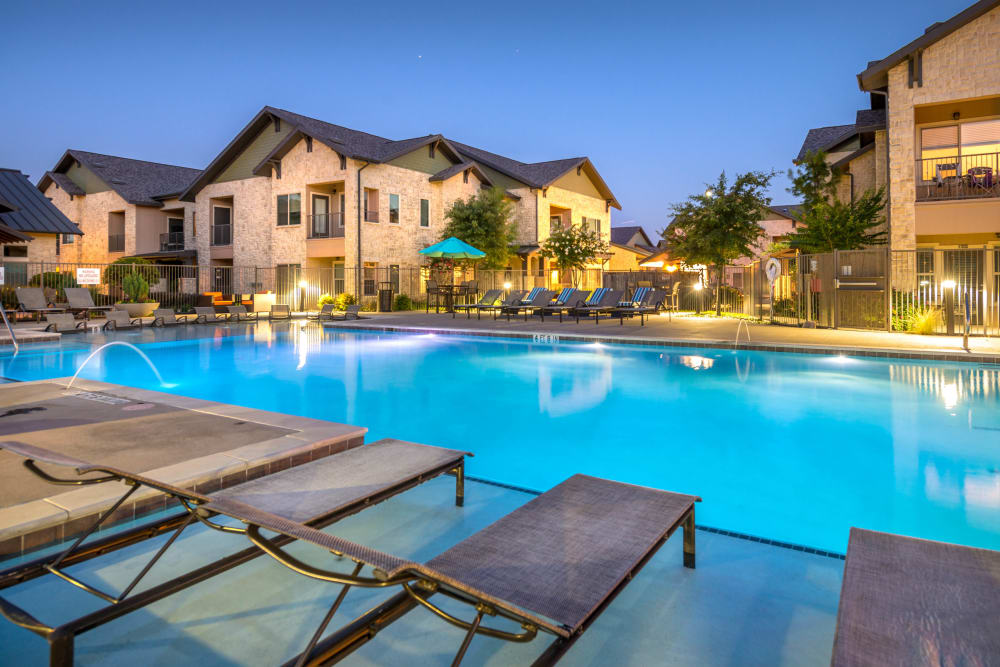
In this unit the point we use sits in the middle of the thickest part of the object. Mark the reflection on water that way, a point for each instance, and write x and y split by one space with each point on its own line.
566 389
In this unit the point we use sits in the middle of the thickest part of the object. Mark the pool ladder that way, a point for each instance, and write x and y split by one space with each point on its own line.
742 325
10 330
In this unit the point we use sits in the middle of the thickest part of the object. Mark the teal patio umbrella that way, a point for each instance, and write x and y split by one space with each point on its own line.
453 248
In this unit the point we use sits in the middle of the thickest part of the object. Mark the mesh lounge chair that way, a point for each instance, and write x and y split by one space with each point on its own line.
325 312
488 300
542 297
553 565
241 314
206 314
648 304
82 301
280 311
599 303
514 298
314 495
165 317
350 313
119 319
577 298
32 300
64 323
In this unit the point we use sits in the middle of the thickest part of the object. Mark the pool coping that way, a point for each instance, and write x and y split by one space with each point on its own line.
800 348
38 524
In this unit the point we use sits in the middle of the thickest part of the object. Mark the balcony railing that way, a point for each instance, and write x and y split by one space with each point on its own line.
371 216
958 177
222 234
116 243
171 241
326 226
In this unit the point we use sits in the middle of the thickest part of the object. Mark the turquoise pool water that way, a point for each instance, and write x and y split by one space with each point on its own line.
788 447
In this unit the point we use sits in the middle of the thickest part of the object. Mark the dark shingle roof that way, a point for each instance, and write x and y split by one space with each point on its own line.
137 181
821 138
869 120
622 235
786 210
33 212
66 183
454 169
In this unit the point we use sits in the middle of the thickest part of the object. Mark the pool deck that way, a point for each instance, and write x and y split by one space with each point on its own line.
690 330
187 442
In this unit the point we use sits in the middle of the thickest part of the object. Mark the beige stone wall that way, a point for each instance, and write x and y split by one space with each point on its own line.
42 248
624 260
90 213
964 65
525 215
251 219
580 205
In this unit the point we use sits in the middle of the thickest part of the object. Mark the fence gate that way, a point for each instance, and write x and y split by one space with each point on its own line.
860 282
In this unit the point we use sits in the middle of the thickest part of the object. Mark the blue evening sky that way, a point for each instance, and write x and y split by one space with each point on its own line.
662 96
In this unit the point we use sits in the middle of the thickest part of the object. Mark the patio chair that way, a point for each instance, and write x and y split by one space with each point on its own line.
206 314
907 601
352 312
314 494
599 302
542 298
325 312
431 288
488 300
166 317
577 298
241 314
64 323
514 298
553 565
648 304
119 319
280 311
82 301
32 300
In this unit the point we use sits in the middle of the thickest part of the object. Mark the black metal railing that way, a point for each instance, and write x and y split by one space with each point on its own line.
222 234
326 226
958 177
116 243
171 241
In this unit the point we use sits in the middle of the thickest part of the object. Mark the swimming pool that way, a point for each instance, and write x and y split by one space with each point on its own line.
789 447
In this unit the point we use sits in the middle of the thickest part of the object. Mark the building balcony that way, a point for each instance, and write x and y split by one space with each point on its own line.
326 226
371 216
222 235
958 177
171 241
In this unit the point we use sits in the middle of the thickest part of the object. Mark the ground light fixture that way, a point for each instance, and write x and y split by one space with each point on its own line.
697 287
302 294
949 306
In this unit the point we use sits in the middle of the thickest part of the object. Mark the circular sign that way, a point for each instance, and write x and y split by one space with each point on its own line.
772 269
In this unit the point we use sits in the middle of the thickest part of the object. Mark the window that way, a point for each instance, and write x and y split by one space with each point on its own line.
592 225
338 278
368 281
425 213
394 277
289 209
68 238
952 150
555 223
371 205
925 271
394 209
15 251
222 217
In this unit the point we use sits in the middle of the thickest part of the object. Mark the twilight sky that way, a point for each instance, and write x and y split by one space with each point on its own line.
662 96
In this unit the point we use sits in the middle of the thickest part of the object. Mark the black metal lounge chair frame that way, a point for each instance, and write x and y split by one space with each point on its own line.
61 638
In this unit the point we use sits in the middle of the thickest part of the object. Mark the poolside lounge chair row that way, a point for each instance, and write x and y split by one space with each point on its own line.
602 302
63 322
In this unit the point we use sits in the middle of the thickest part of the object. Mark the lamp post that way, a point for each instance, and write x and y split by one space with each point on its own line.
698 289
949 306
302 294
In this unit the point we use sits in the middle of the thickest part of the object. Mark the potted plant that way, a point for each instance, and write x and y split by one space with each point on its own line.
136 300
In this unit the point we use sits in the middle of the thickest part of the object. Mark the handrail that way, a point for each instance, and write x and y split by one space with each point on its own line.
10 330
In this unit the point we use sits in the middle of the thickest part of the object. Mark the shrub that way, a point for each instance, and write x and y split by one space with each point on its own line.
342 301
368 307
925 321
402 302
136 288
325 299
115 274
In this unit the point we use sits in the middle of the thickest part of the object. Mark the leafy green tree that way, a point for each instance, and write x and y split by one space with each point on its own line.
483 221
573 248
827 223
715 227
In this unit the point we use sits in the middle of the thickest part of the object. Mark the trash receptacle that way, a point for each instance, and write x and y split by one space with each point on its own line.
385 297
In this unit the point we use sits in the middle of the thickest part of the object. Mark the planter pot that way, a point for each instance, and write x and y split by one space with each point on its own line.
138 309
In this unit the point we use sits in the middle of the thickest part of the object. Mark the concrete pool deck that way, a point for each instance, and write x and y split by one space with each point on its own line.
690 330
747 603
187 442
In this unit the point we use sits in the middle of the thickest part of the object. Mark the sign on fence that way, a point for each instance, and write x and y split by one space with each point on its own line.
1 275
772 269
88 276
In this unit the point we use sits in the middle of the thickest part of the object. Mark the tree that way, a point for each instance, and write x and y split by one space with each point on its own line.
721 224
573 248
483 221
827 223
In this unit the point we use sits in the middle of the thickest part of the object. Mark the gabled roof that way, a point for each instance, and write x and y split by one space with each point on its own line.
63 181
850 157
641 251
137 181
30 210
825 138
622 235
877 74
455 169
786 210
373 148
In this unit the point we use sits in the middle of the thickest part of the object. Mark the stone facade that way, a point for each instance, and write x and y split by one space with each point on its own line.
964 65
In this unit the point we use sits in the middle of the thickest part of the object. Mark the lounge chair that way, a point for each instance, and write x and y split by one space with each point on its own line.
648 304
352 312
165 317
241 314
599 302
488 300
514 298
906 601
119 319
552 565
64 323
82 301
577 298
325 312
280 311
32 300
206 314
542 297
312 495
